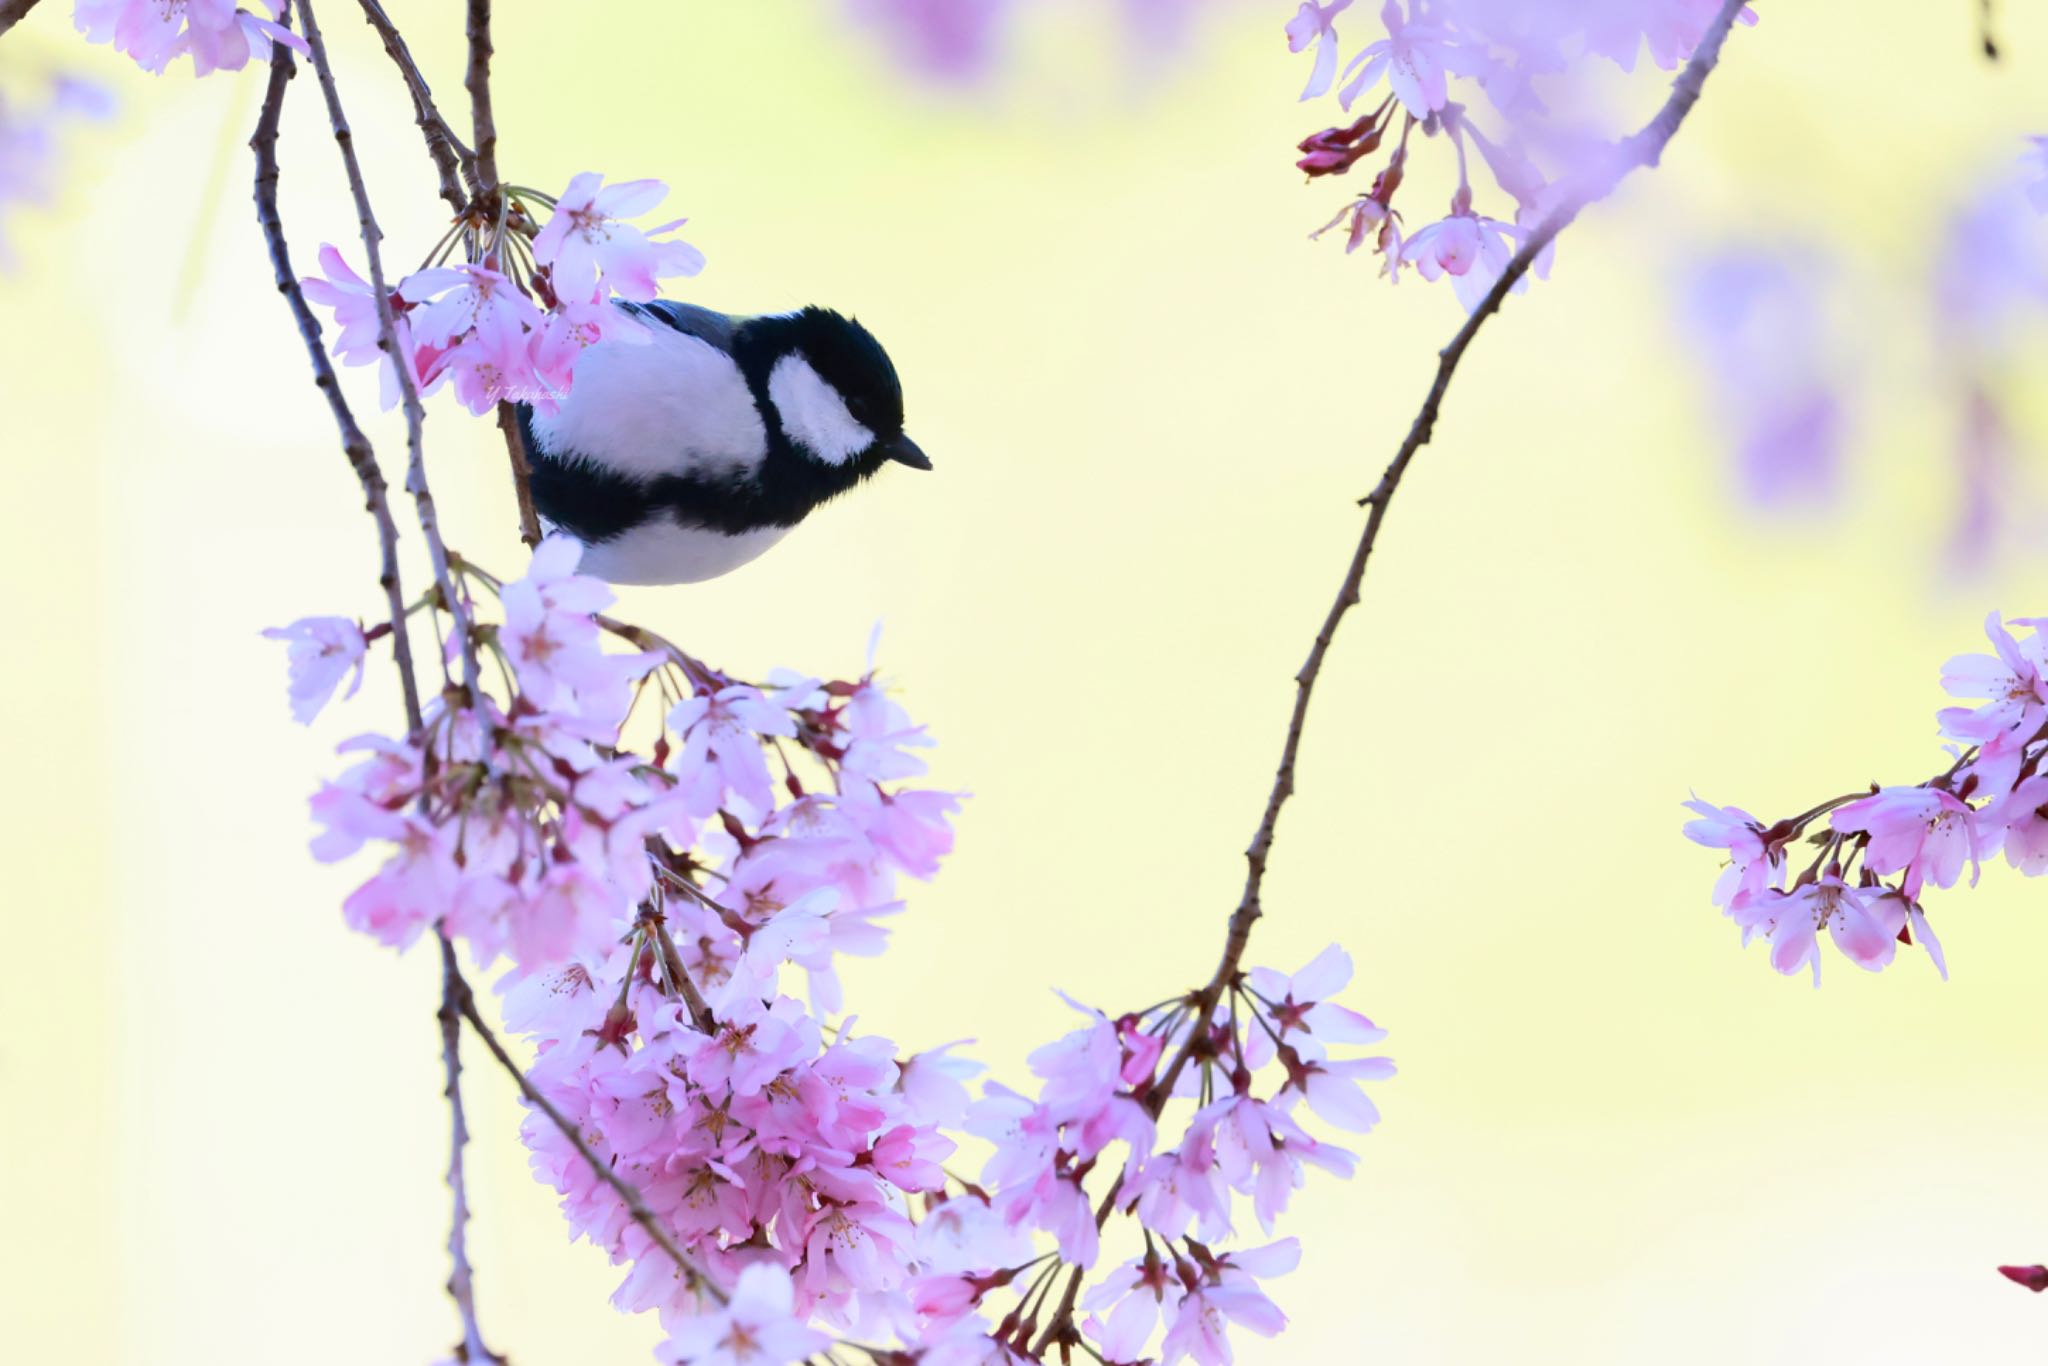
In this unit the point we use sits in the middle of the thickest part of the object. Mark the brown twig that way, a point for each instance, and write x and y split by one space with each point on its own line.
636 1205
461 1285
483 124
522 474
1643 149
443 146
387 337
672 964
354 444
484 179
640 637
13 12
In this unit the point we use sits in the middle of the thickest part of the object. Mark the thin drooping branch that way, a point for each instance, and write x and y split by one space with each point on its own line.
672 966
354 444
443 146
484 131
522 474
636 1204
483 123
452 601
362 458
461 1283
1642 150
13 12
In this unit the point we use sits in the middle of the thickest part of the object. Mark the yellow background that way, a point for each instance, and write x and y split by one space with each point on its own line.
1615 1137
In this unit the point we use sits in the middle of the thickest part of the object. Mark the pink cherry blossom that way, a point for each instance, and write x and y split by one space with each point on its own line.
1315 23
1415 57
216 34
1301 1009
2015 691
757 1326
2022 817
1753 868
1333 1092
321 652
355 313
1471 249
1230 1295
1792 921
1923 832
1139 1295
587 246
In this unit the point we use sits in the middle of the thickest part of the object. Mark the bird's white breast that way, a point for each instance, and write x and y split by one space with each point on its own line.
662 552
673 404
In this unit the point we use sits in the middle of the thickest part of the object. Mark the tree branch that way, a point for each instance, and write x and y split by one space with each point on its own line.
461 1287
415 415
354 444
483 125
1643 149
522 474
13 12
442 145
636 1205
672 964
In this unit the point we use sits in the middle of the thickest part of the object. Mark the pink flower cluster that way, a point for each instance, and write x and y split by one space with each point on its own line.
1438 61
657 900
1249 1066
1993 797
524 825
216 34
510 324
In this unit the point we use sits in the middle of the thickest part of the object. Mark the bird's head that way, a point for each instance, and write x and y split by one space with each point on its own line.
835 392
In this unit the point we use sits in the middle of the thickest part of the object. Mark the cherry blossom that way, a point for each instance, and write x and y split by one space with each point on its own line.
1910 839
1415 58
586 245
1755 865
492 329
1471 249
321 652
1315 24
1225 1293
756 1327
1925 833
215 34
1464 74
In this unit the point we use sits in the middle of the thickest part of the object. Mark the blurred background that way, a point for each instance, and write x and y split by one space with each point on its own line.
1151 402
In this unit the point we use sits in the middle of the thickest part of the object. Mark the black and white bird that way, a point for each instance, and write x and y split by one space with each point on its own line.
682 457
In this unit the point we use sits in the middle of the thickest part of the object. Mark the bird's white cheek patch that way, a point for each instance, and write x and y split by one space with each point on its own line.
814 414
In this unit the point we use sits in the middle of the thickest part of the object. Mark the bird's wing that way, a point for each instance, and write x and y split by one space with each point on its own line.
688 319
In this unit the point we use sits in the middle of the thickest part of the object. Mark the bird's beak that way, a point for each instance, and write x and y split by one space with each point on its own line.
904 451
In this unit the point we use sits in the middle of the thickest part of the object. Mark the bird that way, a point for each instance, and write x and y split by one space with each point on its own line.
680 456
